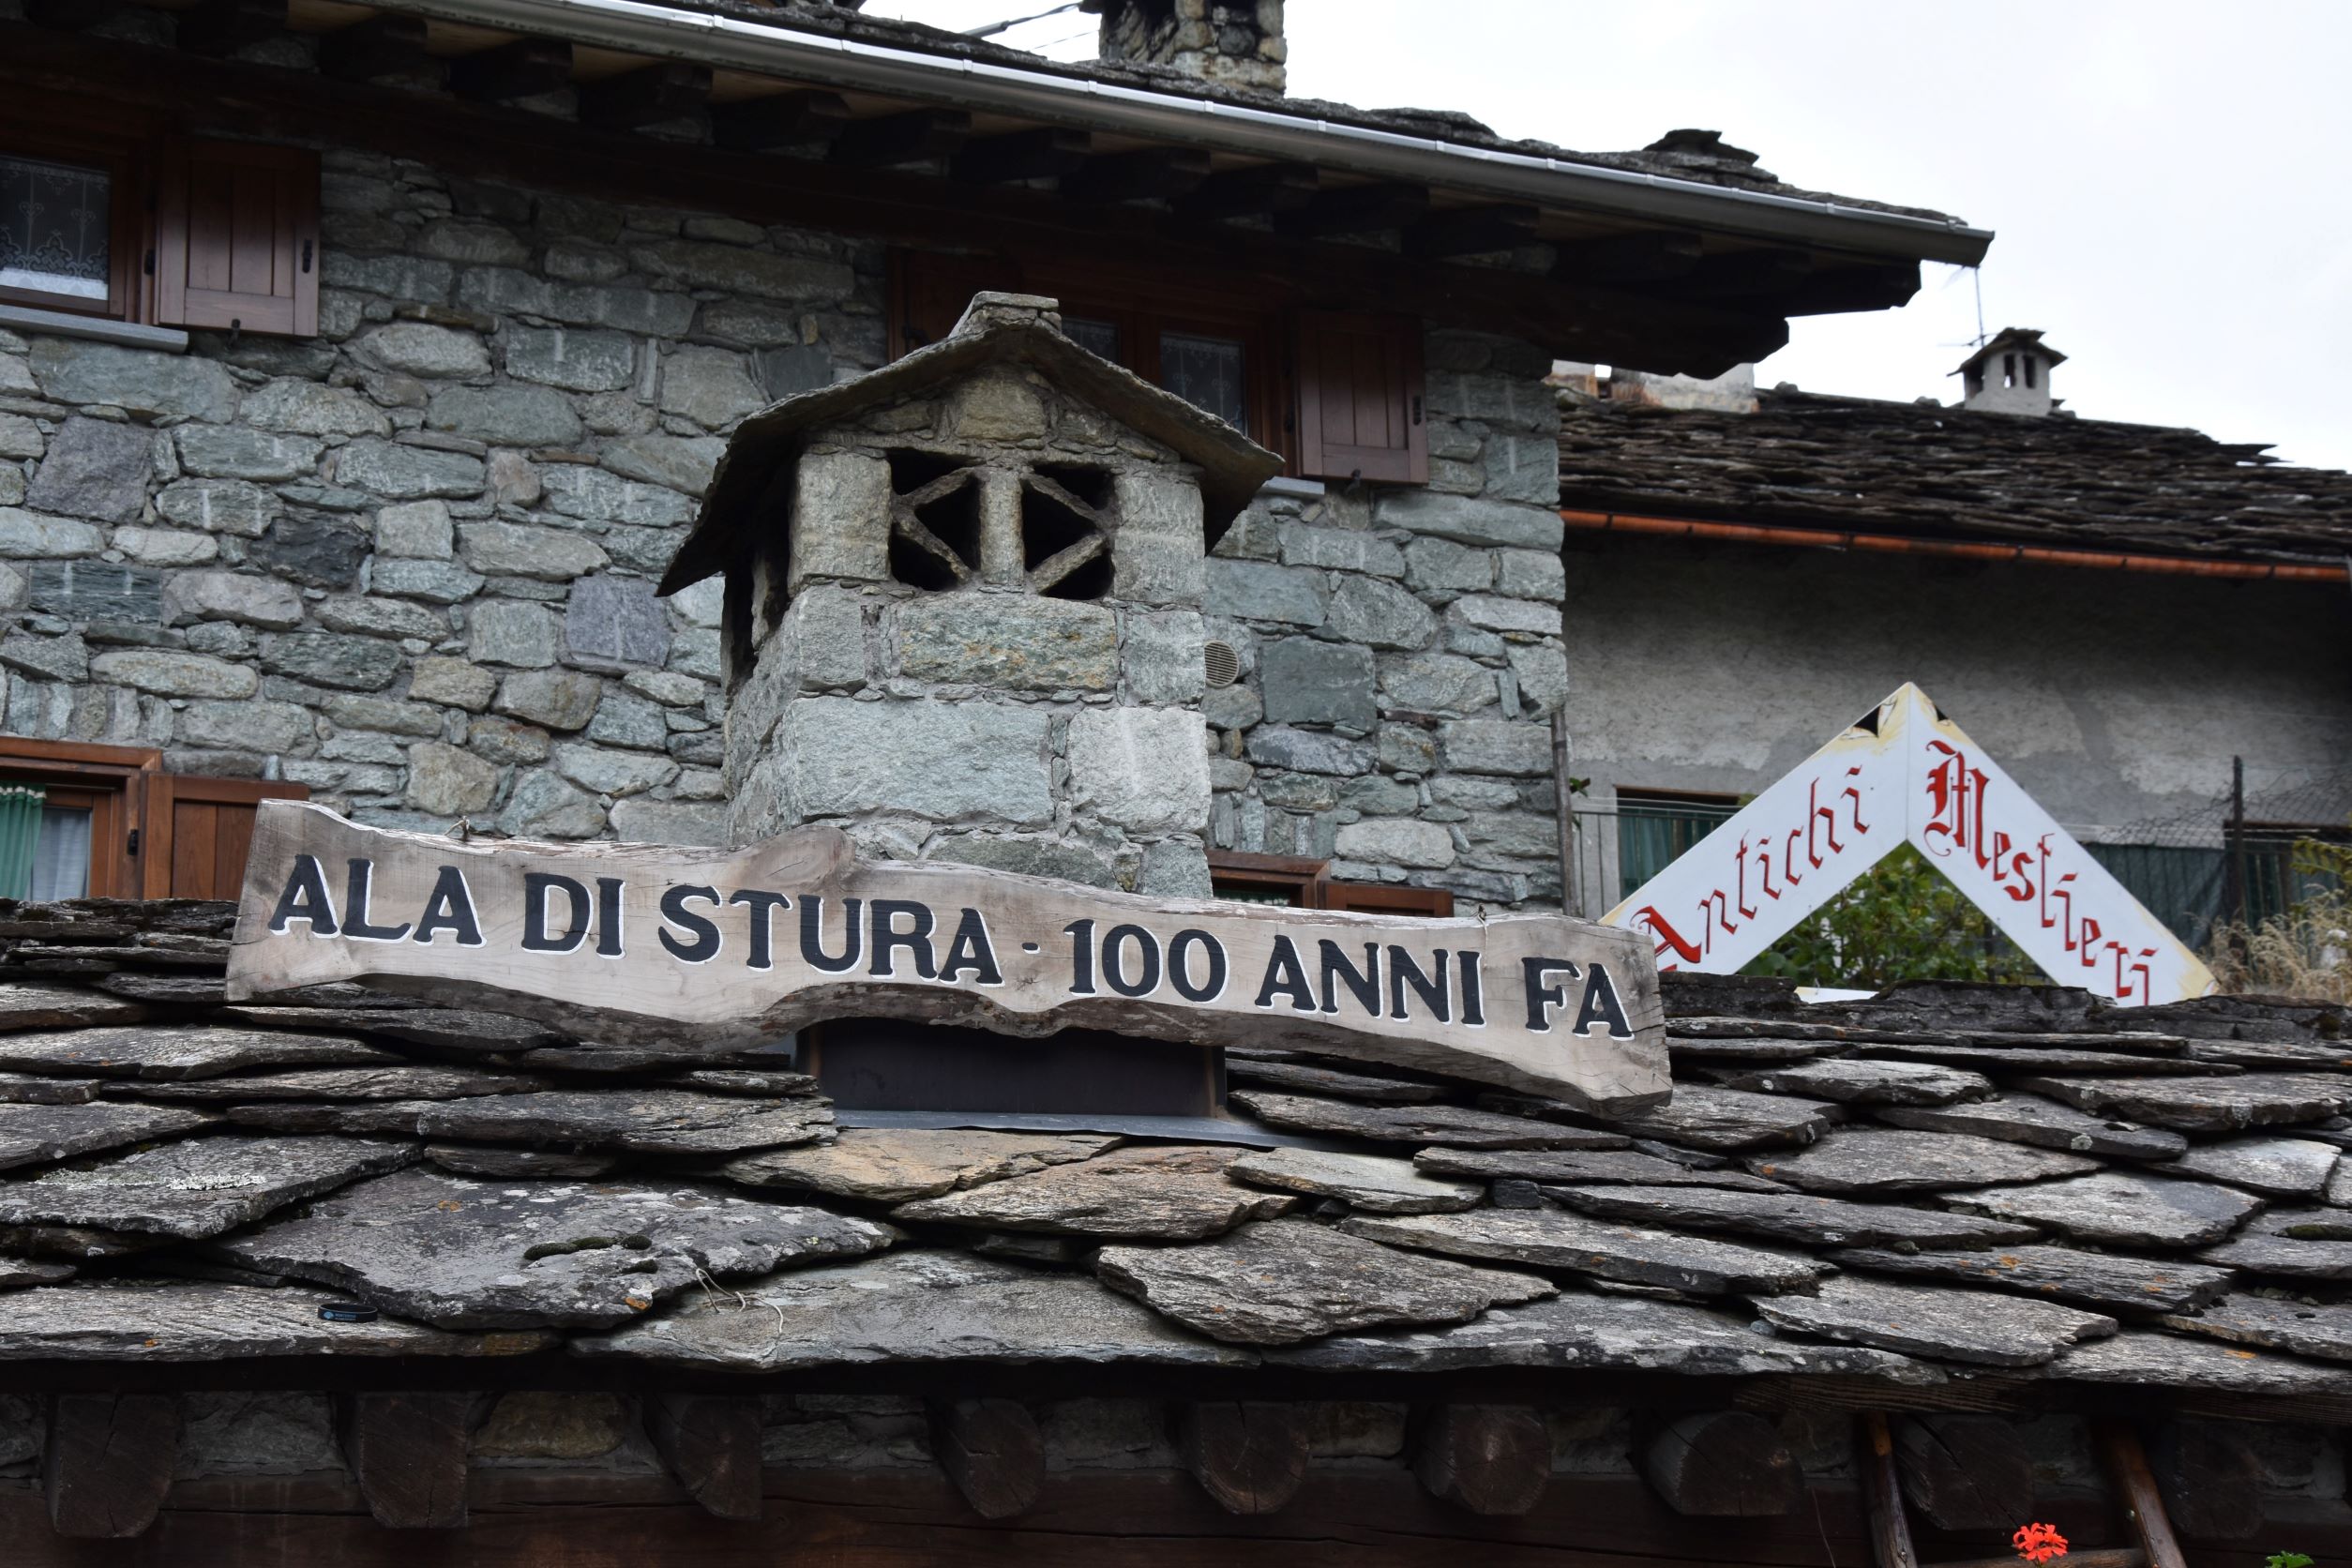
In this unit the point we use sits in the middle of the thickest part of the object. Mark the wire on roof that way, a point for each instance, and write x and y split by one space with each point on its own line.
993 28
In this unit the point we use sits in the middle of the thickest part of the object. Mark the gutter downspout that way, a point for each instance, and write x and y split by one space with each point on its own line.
1896 543
769 49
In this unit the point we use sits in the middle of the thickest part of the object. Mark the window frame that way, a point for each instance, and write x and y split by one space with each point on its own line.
116 776
1659 805
129 196
1309 885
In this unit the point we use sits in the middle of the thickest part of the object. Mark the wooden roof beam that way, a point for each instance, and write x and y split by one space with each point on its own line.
1355 209
1255 191
786 120
1742 275
1491 1459
711 1443
917 136
108 1461
1473 231
651 95
225 26
387 50
504 72
408 1451
1040 153
1145 174
1722 1465
1251 1456
1646 257
993 1453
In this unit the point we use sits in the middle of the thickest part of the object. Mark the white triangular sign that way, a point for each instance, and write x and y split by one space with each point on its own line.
1906 774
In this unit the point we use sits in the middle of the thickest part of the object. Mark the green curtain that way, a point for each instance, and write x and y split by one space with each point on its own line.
20 830
1652 834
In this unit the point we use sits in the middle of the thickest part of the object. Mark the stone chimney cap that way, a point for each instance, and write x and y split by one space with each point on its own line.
992 309
2007 339
996 329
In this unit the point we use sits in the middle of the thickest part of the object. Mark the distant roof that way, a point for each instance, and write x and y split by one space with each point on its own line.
1807 461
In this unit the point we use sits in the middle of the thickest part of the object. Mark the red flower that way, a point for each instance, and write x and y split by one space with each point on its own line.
2038 1542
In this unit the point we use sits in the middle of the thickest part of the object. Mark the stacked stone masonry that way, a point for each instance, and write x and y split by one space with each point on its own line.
409 563
1400 650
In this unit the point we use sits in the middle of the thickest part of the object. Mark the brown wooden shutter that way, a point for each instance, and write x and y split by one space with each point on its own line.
237 239
1383 898
195 832
1360 397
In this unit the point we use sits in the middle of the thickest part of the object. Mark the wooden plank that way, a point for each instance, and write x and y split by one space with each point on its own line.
195 841
1473 231
1047 152
1882 1493
1250 1455
626 943
992 1450
1355 209
107 1462
1147 174
1490 1459
408 1451
711 1443
1723 1465
223 26
1253 191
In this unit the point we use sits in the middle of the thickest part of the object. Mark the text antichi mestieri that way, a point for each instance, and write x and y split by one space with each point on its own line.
906 939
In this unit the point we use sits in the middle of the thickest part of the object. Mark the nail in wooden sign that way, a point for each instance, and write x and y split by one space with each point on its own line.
698 950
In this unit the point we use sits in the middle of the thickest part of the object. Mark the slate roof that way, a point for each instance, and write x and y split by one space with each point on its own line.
1803 459
1943 1183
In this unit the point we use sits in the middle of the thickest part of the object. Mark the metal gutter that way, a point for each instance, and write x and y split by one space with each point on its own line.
637 27
1964 549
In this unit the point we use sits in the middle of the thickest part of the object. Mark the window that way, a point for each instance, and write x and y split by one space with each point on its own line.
1338 393
1655 828
131 224
105 821
2184 886
1307 883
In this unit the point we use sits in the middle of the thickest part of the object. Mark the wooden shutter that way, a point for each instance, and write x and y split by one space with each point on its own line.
1385 898
1360 397
237 239
195 832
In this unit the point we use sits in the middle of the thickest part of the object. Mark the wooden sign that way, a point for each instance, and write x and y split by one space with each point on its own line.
1906 774
713 949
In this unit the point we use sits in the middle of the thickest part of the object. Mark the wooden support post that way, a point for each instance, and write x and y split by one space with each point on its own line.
649 96
505 72
711 1443
2210 1478
786 120
917 136
1964 1472
408 1453
108 1461
1722 1465
388 50
1874 1457
2135 1485
990 1449
1491 1459
1250 1456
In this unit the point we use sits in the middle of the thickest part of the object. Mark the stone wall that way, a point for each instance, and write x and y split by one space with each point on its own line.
1401 652
409 563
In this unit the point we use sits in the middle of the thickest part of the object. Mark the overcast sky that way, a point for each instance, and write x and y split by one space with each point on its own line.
2166 180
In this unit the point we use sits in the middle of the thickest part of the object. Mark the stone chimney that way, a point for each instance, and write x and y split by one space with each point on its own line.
1235 43
963 606
2010 374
